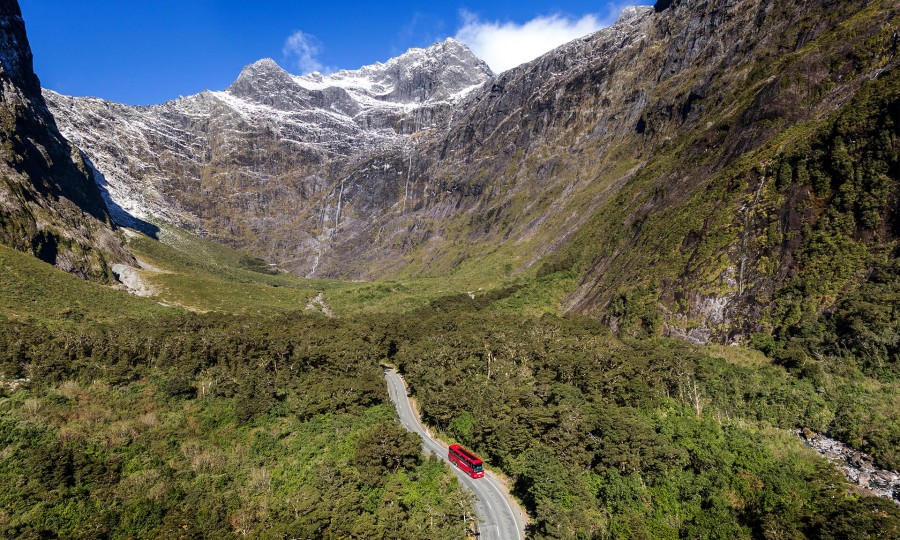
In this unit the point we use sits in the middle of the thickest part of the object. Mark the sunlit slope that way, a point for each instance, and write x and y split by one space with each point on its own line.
183 269
32 289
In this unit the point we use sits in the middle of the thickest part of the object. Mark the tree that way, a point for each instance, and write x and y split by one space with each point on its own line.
386 448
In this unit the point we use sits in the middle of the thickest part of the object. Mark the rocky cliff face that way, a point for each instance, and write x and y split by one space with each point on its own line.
263 165
49 204
640 158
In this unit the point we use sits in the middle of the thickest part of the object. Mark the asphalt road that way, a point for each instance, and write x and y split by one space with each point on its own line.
499 518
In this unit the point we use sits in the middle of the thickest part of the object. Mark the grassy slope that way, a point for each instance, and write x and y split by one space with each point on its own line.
204 276
33 290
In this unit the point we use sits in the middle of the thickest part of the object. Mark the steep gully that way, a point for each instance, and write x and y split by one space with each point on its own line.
500 518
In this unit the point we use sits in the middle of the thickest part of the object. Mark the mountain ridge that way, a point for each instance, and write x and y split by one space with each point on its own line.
557 167
49 204
320 131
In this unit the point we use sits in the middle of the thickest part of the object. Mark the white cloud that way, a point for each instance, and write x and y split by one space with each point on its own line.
506 45
302 51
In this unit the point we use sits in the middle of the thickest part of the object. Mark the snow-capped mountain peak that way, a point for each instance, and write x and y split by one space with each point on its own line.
445 71
385 100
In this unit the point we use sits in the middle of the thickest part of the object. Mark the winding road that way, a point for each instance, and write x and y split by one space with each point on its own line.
500 518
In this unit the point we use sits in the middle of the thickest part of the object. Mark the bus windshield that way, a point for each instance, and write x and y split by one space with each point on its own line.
478 468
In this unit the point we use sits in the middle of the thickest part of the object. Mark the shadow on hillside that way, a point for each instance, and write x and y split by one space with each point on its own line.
119 215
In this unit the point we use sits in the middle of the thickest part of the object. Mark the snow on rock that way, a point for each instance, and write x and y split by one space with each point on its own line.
446 71
134 150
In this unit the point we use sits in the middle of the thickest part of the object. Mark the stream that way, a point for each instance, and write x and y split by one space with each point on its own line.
856 466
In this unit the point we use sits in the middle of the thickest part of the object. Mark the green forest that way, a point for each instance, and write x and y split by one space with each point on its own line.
610 438
210 426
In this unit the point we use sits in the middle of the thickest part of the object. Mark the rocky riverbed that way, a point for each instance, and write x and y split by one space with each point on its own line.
857 466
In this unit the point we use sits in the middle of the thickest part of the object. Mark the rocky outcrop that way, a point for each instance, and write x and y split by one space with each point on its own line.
856 466
132 280
49 203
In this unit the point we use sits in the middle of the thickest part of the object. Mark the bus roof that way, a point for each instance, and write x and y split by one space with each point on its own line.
465 453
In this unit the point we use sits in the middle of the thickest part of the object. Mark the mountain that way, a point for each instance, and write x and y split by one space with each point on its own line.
50 205
679 170
260 164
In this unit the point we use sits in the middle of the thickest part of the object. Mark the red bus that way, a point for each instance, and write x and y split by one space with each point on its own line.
465 460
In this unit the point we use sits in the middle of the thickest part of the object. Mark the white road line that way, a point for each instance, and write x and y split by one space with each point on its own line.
508 506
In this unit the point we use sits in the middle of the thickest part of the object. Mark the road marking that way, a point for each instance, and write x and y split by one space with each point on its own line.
509 507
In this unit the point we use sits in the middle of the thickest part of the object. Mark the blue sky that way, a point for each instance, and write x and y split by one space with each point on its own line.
146 52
